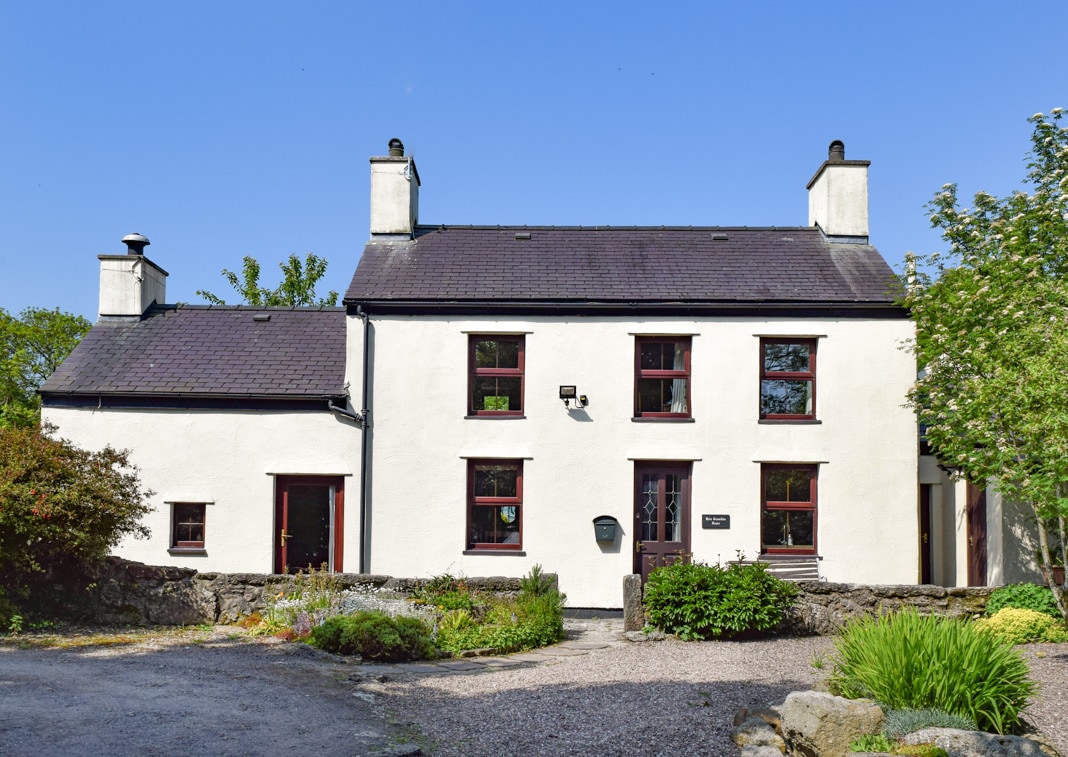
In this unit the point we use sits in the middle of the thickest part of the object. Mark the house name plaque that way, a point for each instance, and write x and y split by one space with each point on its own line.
715 521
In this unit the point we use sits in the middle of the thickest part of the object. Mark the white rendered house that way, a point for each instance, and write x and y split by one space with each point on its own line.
489 393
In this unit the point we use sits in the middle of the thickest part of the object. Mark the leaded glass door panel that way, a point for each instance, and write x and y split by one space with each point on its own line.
661 515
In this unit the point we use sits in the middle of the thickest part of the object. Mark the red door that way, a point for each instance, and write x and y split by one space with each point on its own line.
976 511
309 516
661 515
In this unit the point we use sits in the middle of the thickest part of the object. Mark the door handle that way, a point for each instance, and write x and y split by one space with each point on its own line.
285 536
637 546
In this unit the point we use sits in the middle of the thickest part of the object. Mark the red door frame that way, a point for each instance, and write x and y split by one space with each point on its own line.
650 555
281 516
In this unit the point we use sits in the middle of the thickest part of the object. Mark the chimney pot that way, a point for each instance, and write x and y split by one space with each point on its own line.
836 152
135 243
396 148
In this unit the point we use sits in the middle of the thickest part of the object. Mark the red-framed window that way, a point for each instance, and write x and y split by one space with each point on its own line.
787 378
496 374
662 377
495 504
187 525
788 508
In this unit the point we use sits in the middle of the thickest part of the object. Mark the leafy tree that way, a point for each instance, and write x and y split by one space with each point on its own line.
992 337
31 348
297 287
62 509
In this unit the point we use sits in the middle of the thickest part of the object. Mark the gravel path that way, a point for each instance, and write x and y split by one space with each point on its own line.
653 698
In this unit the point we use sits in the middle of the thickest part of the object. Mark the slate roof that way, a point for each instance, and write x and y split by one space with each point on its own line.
638 265
208 351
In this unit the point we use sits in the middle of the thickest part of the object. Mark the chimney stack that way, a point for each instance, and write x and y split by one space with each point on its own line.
838 197
394 194
130 283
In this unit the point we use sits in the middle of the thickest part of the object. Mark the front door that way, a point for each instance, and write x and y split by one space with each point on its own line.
308 522
976 512
925 533
661 515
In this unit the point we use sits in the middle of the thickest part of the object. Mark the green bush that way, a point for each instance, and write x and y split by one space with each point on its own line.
693 600
1025 597
901 723
507 625
446 593
908 661
1019 626
375 636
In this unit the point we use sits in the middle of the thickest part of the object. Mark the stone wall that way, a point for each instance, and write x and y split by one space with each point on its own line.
137 594
822 607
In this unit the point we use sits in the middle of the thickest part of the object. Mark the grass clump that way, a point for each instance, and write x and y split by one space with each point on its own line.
375 636
1023 597
696 601
907 661
1020 626
900 723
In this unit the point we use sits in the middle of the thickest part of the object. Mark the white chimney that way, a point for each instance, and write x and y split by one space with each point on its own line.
130 283
394 194
838 197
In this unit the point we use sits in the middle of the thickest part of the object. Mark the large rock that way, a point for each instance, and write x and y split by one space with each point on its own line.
633 610
818 724
959 743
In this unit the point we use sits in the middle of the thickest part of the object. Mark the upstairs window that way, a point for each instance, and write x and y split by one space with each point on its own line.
788 379
496 375
495 504
662 377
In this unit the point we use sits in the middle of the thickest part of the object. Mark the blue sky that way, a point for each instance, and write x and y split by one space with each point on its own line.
224 129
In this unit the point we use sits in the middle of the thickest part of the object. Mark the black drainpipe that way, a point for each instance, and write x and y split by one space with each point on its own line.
365 492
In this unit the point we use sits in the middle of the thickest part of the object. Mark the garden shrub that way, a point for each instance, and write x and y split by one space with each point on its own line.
1024 597
446 592
535 618
908 661
375 636
901 723
870 742
693 600
1019 626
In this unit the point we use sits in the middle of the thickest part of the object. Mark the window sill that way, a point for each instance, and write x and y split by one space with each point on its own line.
187 551
793 421
501 417
516 552
660 419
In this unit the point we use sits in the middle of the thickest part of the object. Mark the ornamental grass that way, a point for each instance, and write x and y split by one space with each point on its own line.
907 661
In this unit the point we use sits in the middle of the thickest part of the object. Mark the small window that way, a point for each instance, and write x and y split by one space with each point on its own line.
495 504
662 377
187 526
788 379
788 508
496 375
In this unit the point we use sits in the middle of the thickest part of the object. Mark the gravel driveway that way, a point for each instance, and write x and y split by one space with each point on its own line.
210 694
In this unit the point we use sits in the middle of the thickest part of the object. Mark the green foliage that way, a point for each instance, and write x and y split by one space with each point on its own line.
62 508
1015 625
537 583
1025 597
296 290
870 742
31 348
901 723
919 750
535 618
375 636
446 592
991 336
908 661
697 601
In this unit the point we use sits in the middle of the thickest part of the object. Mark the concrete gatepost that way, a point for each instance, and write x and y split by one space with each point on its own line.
633 610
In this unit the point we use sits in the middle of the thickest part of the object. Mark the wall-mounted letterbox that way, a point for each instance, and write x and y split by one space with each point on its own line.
605 528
